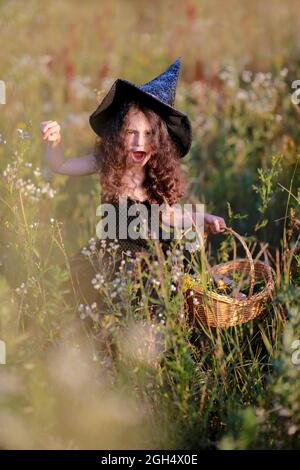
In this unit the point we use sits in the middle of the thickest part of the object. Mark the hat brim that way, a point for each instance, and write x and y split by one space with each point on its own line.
177 122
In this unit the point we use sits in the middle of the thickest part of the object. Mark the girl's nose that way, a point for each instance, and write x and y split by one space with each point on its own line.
140 140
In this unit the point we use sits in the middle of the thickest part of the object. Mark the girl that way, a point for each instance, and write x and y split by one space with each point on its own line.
142 138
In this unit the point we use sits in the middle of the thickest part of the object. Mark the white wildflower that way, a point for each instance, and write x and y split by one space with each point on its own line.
242 95
246 76
284 72
23 134
2 140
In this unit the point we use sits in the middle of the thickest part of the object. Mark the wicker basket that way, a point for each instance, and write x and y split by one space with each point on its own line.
216 310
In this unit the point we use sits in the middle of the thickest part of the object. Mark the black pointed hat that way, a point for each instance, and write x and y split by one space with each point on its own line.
159 95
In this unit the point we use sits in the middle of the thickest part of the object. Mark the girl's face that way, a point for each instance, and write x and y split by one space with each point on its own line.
137 138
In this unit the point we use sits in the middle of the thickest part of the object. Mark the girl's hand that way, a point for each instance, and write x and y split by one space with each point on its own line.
214 224
50 131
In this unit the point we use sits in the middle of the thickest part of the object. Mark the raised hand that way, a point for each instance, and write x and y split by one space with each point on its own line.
50 131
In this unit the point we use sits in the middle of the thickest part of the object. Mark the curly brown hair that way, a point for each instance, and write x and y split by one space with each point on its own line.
164 181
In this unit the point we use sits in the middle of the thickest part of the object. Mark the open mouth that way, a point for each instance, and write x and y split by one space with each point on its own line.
138 156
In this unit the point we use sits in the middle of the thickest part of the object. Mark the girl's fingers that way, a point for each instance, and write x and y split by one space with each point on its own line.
216 225
55 128
47 134
48 125
52 128
51 134
44 125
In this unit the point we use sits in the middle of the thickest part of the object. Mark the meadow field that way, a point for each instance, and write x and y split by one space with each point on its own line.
75 377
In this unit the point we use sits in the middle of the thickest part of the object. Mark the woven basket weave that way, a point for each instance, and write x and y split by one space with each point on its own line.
216 310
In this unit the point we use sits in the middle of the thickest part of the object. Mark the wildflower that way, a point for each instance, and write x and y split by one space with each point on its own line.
22 289
284 72
292 430
98 280
34 225
85 251
27 187
156 282
52 220
2 140
23 134
242 95
113 245
80 86
246 76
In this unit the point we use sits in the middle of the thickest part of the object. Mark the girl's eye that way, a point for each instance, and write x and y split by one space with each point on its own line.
132 132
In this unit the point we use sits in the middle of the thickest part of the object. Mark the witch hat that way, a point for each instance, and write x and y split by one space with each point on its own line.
159 95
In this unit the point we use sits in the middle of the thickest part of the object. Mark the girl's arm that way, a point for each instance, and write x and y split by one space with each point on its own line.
183 219
176 217
75 166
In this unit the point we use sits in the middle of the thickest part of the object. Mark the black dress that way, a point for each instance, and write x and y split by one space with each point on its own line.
103 257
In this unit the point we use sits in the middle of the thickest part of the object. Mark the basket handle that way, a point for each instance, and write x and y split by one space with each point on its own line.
250 259
248 253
